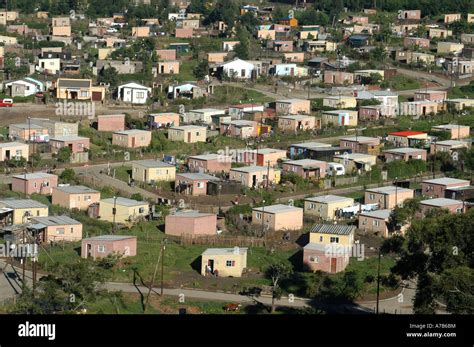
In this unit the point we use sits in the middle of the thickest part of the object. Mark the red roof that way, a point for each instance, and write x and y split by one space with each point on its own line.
406 133
245 105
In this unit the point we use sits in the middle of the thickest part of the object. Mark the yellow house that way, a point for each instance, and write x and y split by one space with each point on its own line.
224 262
332 233
326 206
449 47
340 101
104 52
19 211
187 133
150 171
78 89
127 210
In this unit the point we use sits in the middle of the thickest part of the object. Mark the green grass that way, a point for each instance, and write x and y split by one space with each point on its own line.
236 95
399 82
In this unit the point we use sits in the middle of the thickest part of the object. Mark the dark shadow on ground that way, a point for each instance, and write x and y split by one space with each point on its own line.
196 265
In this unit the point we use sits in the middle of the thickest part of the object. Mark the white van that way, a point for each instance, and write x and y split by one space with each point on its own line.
335 169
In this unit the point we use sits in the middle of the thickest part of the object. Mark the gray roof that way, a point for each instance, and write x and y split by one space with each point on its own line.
109 238
55 220
35 175
381 214
12 144
249 169
224 251
188 127
76 189
131 132
26 126
124 201
405 150
306 162
446 181
451 143
296 116
21 203
449 126
277 208
440 202
335 229
329 199
360 139
388 190
72 83
316 247
191 214
267 150
210 156
310 144
197 176
68 138
150 163
355 156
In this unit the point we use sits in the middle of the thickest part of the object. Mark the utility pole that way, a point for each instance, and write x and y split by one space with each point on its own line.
114 212
268 173
162 264
378 284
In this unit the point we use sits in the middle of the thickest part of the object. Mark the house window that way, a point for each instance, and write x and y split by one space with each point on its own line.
141 210
312 206
60 231
200 184
258 215
334 240
84 94
230 263
371 196
320 239
459 210
314 259
72 230
376 223
101 248
87 198
140 95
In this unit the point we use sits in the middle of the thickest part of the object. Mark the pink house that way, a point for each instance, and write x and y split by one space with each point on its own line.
453 206
361 144
210 163
38 182
102 246
283 46
375 222
166 54
164 119
132 138
77 144
456 131
75 197
405 154
436 188
370 112
315 258
239 128
168 67
431 95
57 228
111 122
263 156
192 183
338 77
306 168
184 32
191 223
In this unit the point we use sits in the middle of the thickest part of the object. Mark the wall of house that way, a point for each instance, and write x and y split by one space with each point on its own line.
18 214
119 247
438 190
161 174
68 233
123 212
38 185
79 201
111 123
318 261
209 166
189 226
220 264
373 225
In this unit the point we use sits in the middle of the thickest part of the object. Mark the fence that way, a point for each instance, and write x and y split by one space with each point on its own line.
223 241
342 181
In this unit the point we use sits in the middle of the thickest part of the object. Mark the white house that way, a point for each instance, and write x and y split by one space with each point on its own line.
239 69
133 93
289 70
203 115
25 87
50 65
388 100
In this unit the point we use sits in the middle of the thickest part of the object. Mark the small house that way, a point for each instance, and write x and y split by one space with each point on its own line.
407 138
224 262
75 197
13 151
293 106
56 229
278 217
436 188
239 128
456 131
296 122
341 102
133 93
38 182
210 163
306 168
123 210
375 222
134 138
20 211
187 133
189 223
326 207
194 184
453 206
388 197
111 122
361 144
405 154
105 245
340 118
152 171
255 176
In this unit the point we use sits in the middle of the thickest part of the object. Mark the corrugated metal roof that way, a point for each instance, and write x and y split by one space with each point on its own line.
55 220
225 251
330 198
334 229
149 163
440 202
35 175
22 203
277 208
76 189
125 202
446 181
109 238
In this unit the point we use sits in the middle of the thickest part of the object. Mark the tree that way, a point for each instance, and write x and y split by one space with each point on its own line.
242 50
109 76
201 70
64 154
277 272
68 175
439 252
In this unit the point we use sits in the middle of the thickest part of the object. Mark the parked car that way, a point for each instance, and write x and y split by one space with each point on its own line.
6 103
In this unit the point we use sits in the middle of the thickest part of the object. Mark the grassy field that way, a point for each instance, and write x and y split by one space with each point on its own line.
399 82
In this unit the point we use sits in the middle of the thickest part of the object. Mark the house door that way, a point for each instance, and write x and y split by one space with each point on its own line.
73 95
133 142
189 137
292 72
7 154
210 263
162 69
96 96
254 180
333 265
89 250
